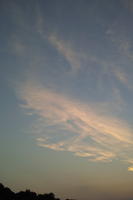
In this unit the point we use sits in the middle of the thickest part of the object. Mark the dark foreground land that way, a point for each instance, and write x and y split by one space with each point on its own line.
7 194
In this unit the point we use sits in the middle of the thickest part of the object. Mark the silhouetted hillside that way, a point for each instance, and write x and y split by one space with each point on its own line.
7 194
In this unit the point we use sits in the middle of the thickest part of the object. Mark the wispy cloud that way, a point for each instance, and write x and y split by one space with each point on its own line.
123 45
121 38
121 76
67 51
79 128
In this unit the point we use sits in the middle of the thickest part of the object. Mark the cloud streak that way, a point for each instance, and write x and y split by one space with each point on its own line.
67 51
78 128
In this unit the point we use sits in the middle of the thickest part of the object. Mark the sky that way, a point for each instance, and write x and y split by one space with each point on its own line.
66 77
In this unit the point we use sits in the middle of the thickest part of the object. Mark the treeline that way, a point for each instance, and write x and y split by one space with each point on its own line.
7 194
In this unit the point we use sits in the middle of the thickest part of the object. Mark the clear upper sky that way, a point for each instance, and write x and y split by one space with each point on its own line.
66 79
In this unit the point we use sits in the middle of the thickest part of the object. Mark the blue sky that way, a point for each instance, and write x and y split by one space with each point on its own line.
66 97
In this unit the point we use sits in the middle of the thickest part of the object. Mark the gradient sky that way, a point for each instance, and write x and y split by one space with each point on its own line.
66 122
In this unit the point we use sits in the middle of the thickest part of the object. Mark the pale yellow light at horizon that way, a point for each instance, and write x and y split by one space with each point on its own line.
130 169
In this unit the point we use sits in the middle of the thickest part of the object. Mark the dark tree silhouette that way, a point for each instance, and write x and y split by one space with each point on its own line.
27 195
7 194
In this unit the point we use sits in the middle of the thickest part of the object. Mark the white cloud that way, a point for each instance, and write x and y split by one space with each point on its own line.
76 127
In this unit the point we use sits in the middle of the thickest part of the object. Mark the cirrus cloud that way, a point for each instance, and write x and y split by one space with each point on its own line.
65 124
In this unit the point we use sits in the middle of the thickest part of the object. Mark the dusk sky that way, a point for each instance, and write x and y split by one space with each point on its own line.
66 80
